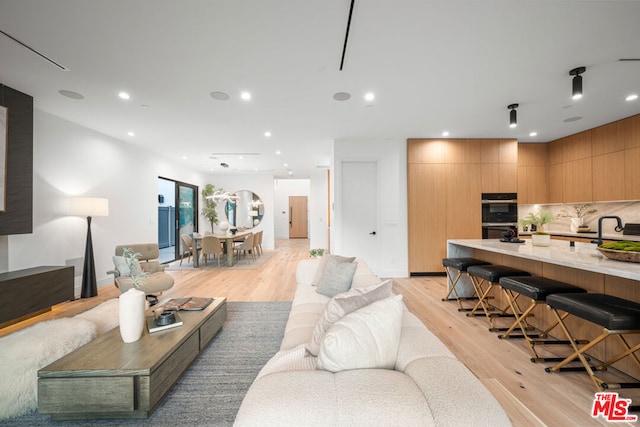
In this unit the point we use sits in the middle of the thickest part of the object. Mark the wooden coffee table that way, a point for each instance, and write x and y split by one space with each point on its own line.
108 378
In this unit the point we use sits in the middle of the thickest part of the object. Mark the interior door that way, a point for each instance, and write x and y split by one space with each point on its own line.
359 202
298 217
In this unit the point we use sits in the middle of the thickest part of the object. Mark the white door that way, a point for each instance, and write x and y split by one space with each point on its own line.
360 211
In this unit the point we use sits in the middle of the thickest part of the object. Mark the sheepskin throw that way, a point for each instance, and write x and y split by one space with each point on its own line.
25 352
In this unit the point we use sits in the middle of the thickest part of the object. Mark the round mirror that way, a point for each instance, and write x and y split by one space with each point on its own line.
244 210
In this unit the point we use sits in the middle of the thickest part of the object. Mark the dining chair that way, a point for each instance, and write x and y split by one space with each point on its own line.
245 246
257 243
187 247
211 245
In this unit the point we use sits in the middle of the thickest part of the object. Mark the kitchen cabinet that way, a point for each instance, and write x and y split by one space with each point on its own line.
533 173
609 176
426 216
577 181
445 180
632 174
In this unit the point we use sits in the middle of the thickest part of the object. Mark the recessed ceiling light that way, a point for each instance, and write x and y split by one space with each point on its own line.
124 95
341 96
71 94
533 133
290 172
369 96
240 157
267 134
631 97
245 95
220 96
285 165
278 152
131 133
184 157
445 133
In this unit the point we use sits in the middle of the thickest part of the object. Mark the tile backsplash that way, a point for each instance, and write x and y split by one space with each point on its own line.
562 213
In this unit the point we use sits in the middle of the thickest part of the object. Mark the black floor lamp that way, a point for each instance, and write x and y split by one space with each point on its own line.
89 207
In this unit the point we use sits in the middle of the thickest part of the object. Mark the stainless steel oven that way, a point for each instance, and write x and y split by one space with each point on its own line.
499 215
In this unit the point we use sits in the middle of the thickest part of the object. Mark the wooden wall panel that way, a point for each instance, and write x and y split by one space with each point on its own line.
632 174
18 215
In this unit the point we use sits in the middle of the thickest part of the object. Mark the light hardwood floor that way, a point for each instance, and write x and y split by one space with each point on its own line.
530 396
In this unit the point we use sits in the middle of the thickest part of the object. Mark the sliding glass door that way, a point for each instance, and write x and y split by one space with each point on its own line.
177 215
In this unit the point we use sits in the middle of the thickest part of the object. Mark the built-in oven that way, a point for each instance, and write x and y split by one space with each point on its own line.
499 215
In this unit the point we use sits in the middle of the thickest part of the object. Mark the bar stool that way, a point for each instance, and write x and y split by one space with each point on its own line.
490 274
617 316
460 264
537 289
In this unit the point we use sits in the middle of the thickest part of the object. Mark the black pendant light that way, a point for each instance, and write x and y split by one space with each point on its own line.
513 118
576 84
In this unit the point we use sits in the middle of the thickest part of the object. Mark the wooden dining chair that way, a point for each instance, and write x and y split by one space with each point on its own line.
211 245
245 246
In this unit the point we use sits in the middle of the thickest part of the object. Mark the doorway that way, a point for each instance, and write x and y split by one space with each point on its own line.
298 217
177 215
359 203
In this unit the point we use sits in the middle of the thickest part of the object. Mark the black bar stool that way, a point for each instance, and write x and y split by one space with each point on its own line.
490 274
461 265
537 289
617 316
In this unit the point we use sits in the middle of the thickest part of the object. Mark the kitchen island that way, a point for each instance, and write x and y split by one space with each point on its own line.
581 265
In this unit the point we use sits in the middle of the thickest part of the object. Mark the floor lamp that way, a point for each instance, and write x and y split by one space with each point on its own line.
89 207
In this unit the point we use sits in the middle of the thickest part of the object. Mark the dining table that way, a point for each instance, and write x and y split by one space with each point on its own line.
226 239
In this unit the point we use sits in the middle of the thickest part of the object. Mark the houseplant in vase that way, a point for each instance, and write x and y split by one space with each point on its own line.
577 218
210 204
538 237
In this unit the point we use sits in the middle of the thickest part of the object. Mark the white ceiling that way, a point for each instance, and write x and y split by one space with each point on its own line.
433 66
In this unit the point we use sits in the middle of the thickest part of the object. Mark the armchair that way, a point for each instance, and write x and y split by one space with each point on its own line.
137 266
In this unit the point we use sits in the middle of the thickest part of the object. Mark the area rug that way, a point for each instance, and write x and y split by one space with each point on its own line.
212 389
245 263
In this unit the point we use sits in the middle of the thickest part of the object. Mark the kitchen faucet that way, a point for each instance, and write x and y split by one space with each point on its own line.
619 227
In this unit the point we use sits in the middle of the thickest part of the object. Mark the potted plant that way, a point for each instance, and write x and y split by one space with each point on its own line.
316 252
209 210
538 237
577 218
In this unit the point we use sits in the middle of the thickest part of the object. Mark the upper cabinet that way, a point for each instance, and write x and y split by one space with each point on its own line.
593 166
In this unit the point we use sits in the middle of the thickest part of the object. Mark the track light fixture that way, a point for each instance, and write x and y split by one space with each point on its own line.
513 118
576 84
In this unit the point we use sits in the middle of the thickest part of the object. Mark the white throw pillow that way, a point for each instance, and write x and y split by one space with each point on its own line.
323 264
337 278
368 338
343 304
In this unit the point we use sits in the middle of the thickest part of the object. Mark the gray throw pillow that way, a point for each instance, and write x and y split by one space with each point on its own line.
122 265
337 278
323 264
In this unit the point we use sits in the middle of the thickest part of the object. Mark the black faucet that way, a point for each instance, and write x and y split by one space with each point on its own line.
619 227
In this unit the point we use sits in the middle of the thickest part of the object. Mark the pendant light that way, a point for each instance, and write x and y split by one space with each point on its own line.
576 84
513 119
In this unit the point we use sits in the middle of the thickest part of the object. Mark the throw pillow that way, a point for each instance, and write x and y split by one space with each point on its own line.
368 338
343 304
122 265
323 264
337 278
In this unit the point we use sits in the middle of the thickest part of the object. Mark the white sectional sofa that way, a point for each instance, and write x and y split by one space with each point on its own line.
425 386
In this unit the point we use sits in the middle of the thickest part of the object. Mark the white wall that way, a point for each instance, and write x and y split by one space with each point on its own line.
283 188
71 160
318 211
392 241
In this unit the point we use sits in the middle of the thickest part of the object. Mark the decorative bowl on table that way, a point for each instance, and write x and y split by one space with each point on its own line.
621 251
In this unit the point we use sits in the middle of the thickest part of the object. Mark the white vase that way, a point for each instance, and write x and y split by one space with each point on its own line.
541 239
132 306
575 223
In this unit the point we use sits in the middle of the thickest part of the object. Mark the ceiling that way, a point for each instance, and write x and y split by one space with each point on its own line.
432 65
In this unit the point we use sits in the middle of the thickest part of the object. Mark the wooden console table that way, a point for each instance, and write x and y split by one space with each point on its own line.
29 292
110 379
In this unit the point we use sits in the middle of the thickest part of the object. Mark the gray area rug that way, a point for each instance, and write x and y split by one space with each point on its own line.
212 389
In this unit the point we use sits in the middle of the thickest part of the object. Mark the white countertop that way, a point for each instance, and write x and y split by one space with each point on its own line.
583 256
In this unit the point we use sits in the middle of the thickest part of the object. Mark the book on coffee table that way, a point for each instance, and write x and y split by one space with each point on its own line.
188 304
154 326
